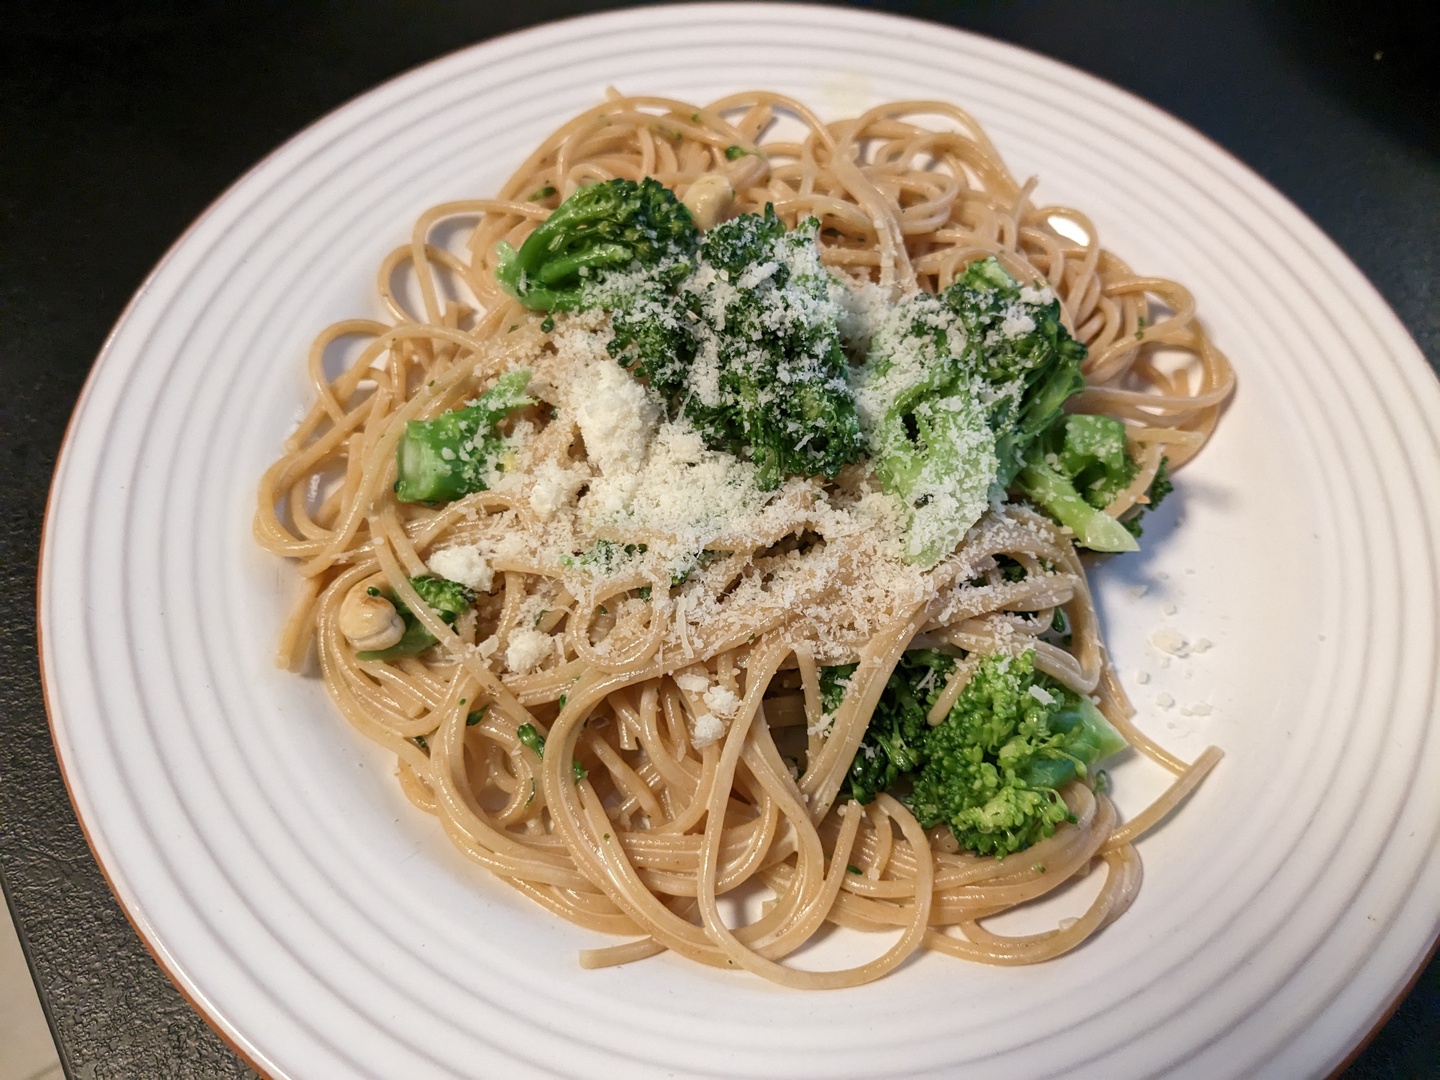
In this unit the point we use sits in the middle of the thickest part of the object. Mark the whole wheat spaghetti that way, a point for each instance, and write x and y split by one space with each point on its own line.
629 719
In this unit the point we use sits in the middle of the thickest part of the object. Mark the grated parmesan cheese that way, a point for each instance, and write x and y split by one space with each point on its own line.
527 650
465 563
706 730
723 701
1170 641
617 418
1040 694
553 489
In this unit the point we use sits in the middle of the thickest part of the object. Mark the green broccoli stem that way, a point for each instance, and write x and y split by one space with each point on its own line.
446 458
601 257
1089 737
1054 494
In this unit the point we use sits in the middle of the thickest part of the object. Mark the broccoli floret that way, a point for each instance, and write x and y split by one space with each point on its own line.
654 338
450 456
769 375
1020 351
994 765
955 390
447 599
1154 494
1075 470
895 741
615 225
931 443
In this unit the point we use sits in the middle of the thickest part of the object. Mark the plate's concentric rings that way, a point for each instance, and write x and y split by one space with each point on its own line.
329 930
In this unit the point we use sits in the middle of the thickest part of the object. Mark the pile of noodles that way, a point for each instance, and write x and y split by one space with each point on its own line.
646 844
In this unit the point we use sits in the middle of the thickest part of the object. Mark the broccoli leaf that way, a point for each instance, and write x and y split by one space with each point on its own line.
447 599
450 456
617 225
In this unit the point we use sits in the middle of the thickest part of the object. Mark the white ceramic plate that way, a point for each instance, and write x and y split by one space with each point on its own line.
328 929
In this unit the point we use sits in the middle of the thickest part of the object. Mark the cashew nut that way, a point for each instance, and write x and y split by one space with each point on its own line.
370 622
709 198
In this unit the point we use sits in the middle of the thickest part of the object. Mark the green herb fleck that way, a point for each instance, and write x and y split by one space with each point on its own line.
532 738
527 734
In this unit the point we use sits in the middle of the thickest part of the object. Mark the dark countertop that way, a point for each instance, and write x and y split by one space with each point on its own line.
120 124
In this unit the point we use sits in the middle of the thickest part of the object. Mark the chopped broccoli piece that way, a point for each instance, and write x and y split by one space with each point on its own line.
530 737
994 765
604 557
833 682
699 560
895 741
450 456
940 458
1076 468
448 599
605 227
1094 454
1057 496
769 376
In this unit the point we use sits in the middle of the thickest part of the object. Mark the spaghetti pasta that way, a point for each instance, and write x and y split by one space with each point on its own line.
626 718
